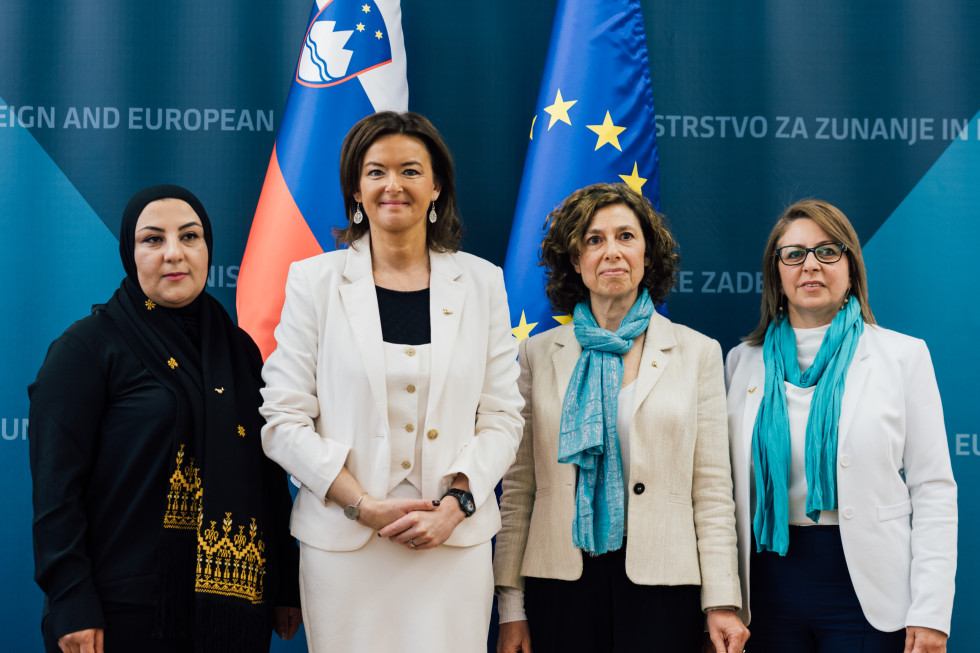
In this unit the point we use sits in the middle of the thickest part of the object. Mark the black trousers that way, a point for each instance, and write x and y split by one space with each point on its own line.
804 602
605 612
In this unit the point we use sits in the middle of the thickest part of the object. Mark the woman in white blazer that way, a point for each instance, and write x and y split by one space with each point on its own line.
392 397
845 499
618 519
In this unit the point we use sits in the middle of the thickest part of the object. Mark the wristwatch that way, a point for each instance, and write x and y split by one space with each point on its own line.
466 503
353 512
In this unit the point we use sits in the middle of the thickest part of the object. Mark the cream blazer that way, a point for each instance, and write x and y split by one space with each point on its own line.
325 400
681 520
895 488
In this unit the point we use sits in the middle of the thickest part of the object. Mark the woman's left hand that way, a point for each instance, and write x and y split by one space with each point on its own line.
425 530
919 639
727 632
287 621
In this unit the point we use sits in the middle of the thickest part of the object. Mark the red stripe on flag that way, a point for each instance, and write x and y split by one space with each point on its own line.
279 236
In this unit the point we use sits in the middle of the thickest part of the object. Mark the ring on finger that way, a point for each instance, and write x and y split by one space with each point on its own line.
411 543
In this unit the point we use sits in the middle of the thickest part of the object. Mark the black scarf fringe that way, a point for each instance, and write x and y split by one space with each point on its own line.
223 627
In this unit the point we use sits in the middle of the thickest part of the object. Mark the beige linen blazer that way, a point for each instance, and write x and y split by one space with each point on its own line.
681 516
325 399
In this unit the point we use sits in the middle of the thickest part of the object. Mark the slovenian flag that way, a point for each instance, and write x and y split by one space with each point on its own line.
351 64
594 122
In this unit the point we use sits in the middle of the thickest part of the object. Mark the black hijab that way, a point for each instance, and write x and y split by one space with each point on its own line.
134 208
216 527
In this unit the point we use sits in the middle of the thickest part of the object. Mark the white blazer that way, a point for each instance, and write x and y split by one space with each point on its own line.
895 489
326 397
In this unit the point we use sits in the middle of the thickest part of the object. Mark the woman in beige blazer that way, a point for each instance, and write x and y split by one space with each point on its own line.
392 397
618 519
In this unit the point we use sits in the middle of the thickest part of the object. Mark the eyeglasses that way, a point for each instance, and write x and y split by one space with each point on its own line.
826 253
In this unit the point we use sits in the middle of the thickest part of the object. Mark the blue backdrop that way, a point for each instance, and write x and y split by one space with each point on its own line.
871 106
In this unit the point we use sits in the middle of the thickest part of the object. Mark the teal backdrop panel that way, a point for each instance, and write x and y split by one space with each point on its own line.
920 276
56 267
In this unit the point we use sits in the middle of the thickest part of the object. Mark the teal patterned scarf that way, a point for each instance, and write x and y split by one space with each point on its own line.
588 426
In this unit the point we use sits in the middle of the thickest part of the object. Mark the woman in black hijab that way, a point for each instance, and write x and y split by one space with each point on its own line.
159 525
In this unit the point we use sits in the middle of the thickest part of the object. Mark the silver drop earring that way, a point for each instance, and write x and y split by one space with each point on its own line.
432 214
358 216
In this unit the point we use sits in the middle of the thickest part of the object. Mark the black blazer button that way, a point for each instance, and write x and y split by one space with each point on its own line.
639 488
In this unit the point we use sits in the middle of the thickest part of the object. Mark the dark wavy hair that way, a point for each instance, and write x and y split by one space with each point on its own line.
446 233
836 225
566 226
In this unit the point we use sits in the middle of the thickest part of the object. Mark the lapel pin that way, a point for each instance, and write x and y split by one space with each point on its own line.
219 390
446 311
752 389
653 364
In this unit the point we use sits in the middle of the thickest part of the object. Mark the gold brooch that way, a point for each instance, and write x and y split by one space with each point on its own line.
446 311
219 390
150 304
241 430
172 363
752 389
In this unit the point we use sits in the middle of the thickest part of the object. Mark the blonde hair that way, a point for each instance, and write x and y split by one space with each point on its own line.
838 227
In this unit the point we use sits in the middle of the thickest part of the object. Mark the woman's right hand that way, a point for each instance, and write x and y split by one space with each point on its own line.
514 637
378 514
82 641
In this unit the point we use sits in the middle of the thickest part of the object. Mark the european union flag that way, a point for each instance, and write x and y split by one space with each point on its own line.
594 122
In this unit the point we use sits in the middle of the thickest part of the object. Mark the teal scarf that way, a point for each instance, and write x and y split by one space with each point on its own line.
588 426
771 437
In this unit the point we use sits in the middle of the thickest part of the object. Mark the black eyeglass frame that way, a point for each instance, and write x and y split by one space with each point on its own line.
809 250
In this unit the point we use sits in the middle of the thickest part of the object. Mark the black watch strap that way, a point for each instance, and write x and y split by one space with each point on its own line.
465 499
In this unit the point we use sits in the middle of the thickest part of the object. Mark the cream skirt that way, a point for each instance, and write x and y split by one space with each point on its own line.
386 598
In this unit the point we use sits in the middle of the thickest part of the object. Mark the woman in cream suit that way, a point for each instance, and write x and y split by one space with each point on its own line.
618 520
852 540
392 397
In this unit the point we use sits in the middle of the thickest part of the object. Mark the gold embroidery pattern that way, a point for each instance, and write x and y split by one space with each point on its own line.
150 304
184 498
172 363
230 564
241 430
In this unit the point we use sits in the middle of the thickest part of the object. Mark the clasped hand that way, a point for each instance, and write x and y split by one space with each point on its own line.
414 523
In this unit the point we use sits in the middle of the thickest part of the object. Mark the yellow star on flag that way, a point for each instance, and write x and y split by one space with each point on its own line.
562 319
634 181
559 110
608 133
360 27
377 34
366 8
523 330
533 120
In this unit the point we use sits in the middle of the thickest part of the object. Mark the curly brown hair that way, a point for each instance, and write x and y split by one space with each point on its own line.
566 226
442 236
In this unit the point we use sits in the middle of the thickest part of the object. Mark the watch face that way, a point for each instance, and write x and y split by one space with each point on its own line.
352 512
466 503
